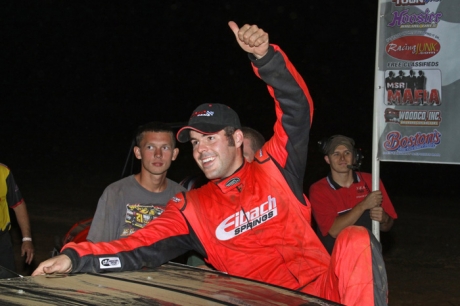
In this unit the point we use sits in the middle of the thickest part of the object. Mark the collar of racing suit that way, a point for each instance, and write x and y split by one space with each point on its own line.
233 181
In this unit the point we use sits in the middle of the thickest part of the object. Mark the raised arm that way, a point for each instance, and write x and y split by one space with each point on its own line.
293 103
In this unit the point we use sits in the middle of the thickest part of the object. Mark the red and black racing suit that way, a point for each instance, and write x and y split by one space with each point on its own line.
253 224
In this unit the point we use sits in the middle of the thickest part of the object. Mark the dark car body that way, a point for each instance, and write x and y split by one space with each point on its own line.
169 284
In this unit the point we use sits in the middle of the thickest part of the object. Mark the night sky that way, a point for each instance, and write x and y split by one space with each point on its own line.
77 79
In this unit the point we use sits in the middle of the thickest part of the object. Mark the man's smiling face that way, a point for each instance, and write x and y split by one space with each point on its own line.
214 154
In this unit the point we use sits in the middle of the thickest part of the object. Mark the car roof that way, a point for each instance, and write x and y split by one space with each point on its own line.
169 284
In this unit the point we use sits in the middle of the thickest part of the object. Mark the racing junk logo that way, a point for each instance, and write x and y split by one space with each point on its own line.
240 222
109 262
413 48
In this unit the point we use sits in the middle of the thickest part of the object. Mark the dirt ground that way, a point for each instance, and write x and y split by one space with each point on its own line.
422 251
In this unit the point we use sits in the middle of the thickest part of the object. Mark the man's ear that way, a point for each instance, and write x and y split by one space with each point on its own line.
175 153
137 152
326 158
238 138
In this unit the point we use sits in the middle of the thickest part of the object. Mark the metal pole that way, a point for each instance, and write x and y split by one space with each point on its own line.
378 97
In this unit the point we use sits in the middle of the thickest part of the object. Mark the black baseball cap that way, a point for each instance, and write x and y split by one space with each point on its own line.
209 119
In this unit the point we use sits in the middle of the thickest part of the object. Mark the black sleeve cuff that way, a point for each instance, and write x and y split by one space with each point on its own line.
74 258
264 60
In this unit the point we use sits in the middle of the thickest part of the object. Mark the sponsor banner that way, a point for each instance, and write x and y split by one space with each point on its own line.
417 80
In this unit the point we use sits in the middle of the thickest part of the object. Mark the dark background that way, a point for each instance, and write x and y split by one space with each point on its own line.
78 78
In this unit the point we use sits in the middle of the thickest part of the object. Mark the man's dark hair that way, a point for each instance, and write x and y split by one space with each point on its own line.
156 127
257 140
229 131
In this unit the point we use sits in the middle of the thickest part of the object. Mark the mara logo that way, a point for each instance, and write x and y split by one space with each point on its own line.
109 262
413 48
232 182
242 221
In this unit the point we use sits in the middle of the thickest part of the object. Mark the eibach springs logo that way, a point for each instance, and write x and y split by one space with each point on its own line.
426 19
241 221
396 142
413 48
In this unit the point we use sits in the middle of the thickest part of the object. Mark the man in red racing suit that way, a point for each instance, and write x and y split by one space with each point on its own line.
251 219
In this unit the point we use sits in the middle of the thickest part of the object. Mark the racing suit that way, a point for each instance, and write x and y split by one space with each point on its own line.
255 223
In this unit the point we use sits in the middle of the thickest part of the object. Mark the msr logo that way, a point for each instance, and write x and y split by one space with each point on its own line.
240 222
109 262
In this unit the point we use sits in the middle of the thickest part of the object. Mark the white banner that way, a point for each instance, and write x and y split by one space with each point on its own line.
417 95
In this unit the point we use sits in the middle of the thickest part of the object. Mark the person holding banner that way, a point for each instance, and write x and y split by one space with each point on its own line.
343 198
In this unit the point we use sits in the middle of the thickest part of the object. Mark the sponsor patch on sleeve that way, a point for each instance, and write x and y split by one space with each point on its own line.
109 262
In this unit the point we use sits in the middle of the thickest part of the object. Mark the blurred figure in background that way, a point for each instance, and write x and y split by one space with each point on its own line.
252 142
10 197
